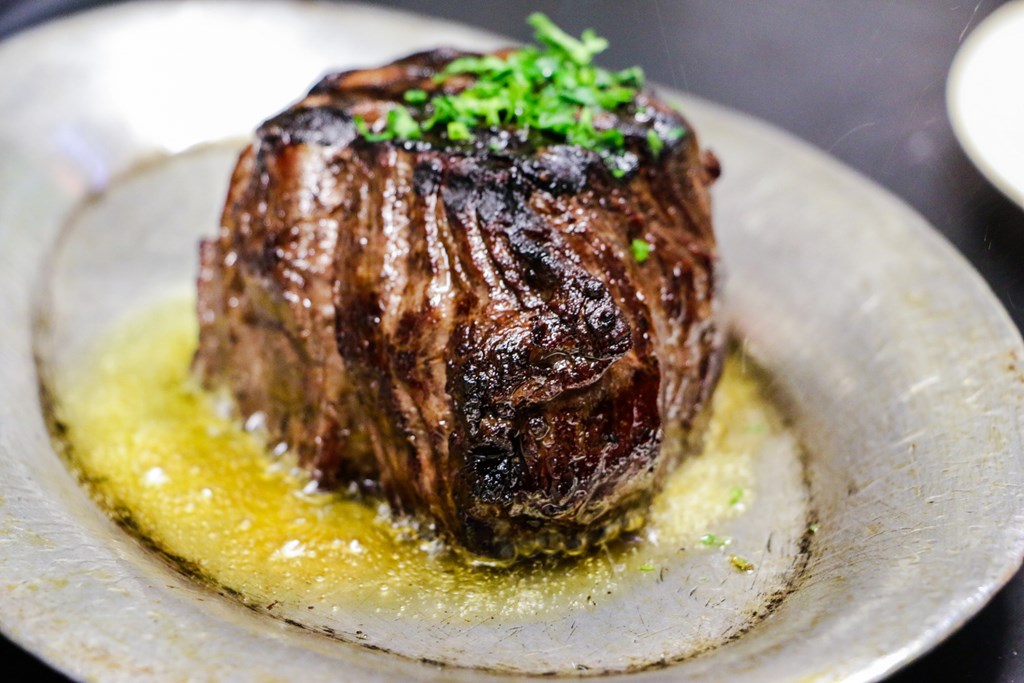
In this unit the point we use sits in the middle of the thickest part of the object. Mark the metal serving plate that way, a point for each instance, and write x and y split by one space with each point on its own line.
899 370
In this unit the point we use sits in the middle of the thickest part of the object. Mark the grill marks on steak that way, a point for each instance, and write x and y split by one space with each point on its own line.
552 401
465 331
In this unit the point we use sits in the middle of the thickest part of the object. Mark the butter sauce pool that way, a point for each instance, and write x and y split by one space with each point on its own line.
156 451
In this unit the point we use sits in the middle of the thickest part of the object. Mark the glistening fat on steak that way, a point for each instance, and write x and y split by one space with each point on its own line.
506 334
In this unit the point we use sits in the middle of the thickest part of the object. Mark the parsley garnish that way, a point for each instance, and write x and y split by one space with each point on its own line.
736 494
415 96
400 124
714 541
641 250
654 142
457 130
579 51
552 88
740 564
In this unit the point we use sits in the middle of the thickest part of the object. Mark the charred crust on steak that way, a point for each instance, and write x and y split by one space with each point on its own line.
461 327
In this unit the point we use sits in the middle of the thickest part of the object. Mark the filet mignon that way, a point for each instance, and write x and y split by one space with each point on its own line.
499 335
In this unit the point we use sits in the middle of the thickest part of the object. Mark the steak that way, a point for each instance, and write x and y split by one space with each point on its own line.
468 327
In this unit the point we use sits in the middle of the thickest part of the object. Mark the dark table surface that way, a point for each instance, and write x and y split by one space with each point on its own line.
864 80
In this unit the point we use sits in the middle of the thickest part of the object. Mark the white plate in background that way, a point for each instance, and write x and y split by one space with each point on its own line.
985 97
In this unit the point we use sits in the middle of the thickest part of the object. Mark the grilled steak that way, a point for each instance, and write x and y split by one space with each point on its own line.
466 326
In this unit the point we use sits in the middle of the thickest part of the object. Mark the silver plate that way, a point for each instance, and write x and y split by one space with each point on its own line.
898 367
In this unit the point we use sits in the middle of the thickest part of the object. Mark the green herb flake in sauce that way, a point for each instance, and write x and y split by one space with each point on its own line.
552 88
641 249
812 529
647 567
736 494
740 564
713 541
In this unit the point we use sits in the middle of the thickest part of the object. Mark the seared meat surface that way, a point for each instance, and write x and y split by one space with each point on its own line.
465 326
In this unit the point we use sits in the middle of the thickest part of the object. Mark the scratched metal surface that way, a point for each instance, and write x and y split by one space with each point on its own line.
899 375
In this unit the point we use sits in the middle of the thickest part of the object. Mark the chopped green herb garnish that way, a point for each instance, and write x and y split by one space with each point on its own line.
735 495
633 76
675 133
403 124
740 564
400 123
457 130
714 541
640 248
578 51
813 529
654 142
415 96
364 130
647 567
552 88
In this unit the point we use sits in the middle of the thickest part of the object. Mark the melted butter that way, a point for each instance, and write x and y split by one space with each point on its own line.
153 448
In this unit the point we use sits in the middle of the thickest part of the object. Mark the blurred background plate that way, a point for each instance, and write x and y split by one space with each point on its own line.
986 100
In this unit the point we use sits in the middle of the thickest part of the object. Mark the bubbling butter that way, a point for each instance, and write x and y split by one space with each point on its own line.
153 447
